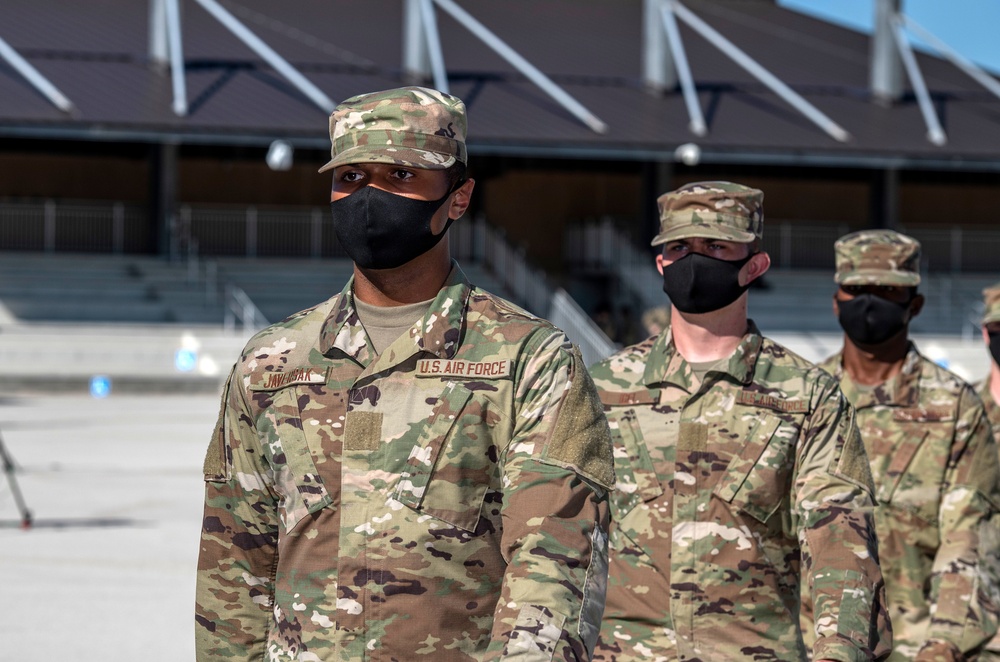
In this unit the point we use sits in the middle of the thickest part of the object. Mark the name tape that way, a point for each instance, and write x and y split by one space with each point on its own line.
458 368
770 402
274 380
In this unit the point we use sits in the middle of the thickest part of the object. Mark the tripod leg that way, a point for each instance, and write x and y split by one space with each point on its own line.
8 468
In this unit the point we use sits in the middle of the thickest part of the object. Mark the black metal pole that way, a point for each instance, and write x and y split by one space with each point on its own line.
8 468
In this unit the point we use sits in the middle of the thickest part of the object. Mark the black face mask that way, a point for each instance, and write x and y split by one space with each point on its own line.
698 283
995 346
381 230
871 320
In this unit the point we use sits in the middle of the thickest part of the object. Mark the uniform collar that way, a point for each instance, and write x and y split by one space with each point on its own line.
900 390
666 365
437 332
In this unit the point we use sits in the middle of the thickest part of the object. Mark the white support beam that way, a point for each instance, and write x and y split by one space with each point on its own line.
174 40
697 120
659 72
755 69
956 58
935 133
158 53
33 76
268 54
416 59
885 73
529 70
434 45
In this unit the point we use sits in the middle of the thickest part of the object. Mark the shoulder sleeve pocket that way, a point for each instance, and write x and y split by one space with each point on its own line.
218 463
579 438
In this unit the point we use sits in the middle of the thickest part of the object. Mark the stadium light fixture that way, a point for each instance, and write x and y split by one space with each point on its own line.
279 155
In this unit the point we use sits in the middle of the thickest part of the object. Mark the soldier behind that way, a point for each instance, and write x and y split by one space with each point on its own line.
989 388
932 455
989 392
741 474
414 469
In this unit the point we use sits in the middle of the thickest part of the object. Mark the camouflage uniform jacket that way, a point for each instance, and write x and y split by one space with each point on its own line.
730 494
935 468
991 407
444 500
992 651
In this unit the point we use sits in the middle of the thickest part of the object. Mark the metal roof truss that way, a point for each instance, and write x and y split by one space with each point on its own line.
165 35
34 77
655 74
423 56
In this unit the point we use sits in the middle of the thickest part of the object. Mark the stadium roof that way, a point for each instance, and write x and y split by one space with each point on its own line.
97 54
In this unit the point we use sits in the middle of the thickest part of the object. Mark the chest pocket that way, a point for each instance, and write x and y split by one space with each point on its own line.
292 451
758 478
635 477
912 473
453 462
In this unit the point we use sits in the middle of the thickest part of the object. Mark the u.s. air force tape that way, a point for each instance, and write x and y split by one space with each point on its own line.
496 369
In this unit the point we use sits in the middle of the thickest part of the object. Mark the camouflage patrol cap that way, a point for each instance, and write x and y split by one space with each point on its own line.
877 257
991 299
714 210
409 126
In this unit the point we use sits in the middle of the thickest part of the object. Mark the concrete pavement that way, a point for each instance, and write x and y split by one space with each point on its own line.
107 572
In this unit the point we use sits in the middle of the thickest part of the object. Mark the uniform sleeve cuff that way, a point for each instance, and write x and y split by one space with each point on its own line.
938 650
842 650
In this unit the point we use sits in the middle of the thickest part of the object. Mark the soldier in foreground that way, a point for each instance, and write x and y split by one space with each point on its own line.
414 469
932 456
741 475
989 388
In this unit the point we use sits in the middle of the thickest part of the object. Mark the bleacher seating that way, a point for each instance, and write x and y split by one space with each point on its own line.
153 305
38 287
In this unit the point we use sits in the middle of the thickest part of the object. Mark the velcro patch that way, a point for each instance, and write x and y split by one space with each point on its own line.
497 369
755 399
363 431
270 381
693 437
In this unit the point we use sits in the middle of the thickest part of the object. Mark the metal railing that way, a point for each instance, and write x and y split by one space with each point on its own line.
119 227
602 246
569 316
530 285
508 263
240 306
50 226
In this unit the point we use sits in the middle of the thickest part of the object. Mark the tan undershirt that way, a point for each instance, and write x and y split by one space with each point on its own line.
854 391
701 368
385 324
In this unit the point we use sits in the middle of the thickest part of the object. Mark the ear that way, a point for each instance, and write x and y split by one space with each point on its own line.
460 199
659 263
917 305
757 266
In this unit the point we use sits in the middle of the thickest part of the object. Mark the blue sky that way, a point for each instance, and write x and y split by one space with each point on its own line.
968 26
